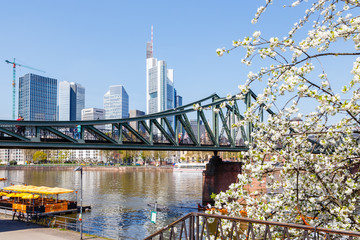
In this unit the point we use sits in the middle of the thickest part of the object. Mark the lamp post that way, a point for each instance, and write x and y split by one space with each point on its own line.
79 168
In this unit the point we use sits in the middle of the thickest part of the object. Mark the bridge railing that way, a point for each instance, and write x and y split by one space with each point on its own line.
198 226
204 125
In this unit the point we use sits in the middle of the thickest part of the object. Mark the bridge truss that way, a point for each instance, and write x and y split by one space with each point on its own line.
206 127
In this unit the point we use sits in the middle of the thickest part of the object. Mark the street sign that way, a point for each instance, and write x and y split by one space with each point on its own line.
153 216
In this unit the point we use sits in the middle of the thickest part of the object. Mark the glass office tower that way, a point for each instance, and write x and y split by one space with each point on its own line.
71 101
159 86
37 97
116 103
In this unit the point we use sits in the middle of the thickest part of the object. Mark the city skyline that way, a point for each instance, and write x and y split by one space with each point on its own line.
110 49
70 98
97 47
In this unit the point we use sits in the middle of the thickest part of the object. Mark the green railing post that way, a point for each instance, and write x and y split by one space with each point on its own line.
177 130
215 121
151 132
198 125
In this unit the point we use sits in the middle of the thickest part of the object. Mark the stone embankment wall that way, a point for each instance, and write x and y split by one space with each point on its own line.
87 168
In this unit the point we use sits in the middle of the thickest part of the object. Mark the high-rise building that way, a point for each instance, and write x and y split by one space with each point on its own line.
159 83
116 103
71 101
37 97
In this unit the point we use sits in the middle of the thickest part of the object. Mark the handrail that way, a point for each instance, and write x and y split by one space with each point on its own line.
89 226
6 211
195 217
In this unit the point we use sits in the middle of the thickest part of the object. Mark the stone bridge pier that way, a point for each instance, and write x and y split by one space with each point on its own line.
218 176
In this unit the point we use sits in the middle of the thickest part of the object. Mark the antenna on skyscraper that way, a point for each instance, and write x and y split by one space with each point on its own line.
152 39
149 45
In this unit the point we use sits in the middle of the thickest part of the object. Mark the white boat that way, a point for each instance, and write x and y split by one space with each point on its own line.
189 167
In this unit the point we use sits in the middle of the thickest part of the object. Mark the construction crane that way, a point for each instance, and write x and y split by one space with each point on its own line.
14 79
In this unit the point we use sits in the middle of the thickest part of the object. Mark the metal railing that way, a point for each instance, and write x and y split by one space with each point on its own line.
89 226
7 211
198 226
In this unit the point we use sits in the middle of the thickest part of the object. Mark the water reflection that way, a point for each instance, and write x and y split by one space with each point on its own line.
121 198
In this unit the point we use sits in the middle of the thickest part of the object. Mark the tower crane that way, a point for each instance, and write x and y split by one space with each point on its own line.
14 79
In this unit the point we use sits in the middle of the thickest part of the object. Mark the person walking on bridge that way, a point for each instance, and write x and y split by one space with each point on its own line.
20 129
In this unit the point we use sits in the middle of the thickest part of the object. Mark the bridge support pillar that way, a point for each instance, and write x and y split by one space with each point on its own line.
218 176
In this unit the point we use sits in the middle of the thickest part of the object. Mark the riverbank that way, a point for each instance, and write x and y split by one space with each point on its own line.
87 168
13 229
119 200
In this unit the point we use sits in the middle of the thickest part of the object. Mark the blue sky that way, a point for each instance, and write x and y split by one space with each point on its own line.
103 43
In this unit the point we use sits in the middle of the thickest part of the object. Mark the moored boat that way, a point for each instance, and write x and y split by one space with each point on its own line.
189 167
33 201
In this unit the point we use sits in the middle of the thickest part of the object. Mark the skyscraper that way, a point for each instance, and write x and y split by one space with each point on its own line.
159 83
71 101
116 102
37 97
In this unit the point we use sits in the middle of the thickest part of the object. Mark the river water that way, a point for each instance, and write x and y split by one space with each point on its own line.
120 198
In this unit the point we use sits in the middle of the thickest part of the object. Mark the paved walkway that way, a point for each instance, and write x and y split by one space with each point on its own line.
10 229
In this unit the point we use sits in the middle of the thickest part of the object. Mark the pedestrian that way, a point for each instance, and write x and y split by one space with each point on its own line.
77 131
20 129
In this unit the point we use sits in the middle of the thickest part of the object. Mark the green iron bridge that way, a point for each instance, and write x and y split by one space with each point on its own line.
186 128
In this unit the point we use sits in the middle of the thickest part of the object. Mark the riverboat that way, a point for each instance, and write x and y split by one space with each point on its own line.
189 167
33 202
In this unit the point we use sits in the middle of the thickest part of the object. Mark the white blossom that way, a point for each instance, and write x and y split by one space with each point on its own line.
281 158
220 51
256 34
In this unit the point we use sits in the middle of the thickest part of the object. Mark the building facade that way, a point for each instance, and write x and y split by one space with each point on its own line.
159 86
92 114
89 114
178 100
9 155
71 101
133 124
88 155
37 97
116 103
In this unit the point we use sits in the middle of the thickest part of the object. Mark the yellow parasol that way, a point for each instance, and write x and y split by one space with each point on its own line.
3 194
40 190
11 195
30 196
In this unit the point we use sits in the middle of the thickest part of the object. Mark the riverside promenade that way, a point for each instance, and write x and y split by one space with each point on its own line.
10 229
57 167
